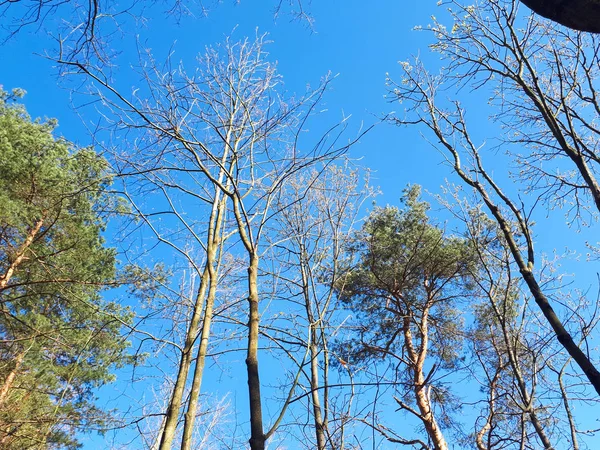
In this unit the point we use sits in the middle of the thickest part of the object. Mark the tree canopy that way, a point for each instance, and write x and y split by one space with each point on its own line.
59 339
209 273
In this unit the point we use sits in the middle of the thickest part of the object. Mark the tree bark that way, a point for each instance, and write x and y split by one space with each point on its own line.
313 325
257 436
316 400
214 243
172 415
417 359
20 255
190 415
208 282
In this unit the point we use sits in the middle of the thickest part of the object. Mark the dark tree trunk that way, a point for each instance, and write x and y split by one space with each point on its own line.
257 438
583 15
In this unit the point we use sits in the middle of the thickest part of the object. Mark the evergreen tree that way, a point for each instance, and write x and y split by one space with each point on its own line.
58 339
404 289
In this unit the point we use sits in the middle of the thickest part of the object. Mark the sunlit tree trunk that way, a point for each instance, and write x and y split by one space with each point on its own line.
203 304
20 254
214 246
417 357
172 414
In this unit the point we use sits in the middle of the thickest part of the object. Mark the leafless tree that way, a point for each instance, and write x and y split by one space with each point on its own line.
542 81
309 250
468 58
514 357
226 138
502 345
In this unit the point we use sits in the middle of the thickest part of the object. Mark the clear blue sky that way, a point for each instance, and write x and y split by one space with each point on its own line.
361 41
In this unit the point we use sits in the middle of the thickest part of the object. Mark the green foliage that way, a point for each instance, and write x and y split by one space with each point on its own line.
58 339
406 267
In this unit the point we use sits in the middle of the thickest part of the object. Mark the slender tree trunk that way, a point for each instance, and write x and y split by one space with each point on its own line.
172 415
527 399
320 409
314 385
528 402
257 437
216 217
326 388
563 336
214 247
565 398
523 442
314 355
10 378
190 414
487 426
20 255
526 268
257 434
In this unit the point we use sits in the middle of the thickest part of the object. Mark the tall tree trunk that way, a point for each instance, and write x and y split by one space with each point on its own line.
172 415
216 217
190 415
257 436
314 385
214 246
527 399
314 356
417 360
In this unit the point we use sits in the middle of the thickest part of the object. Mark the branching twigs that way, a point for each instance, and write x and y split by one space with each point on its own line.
222 135
449 127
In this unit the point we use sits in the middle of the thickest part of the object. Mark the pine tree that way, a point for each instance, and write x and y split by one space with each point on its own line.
58 339
404 288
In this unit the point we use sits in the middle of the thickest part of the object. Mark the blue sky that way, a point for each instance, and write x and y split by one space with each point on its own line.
358 42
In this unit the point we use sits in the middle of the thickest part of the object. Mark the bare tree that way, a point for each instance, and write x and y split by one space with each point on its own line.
513 355
420 90
309 250
156 192
542 80
502 344
226 131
